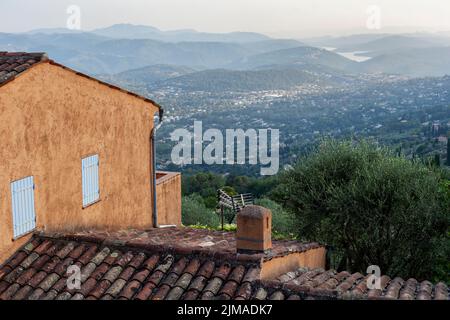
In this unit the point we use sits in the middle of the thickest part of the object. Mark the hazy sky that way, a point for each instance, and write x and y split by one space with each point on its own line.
276 17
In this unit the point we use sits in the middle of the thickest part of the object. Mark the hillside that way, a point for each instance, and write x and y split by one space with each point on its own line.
421 62
296 56
149 75
345 41
282 78
396 42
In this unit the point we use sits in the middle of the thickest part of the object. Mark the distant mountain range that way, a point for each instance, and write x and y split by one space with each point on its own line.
396 42
129 31
96 54
133 32
148 54
380 42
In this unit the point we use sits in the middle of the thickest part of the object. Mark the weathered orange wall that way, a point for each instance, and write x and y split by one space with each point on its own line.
314 258
168 195
50 118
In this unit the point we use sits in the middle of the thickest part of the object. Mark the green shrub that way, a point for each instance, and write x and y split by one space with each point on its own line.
194 212
283 222
372 207
205 184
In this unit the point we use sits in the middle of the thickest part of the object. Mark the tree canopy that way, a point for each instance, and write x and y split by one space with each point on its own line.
371 206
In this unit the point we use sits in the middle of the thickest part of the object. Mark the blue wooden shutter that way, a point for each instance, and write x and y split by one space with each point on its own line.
24 215
90 183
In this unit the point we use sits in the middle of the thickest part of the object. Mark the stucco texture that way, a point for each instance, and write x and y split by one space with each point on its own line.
50 119
168 199
312 259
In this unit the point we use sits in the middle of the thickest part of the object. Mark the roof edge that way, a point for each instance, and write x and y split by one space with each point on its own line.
46 59
54 63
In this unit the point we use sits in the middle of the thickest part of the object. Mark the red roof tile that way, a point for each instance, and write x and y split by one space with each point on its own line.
108 272
14 63
344 285
153 265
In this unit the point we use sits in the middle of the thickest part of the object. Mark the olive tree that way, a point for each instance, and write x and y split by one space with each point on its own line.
371 206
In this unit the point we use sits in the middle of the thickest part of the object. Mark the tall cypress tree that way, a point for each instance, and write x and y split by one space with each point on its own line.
437 160
448 150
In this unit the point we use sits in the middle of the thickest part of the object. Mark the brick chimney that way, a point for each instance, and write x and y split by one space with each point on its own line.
254 229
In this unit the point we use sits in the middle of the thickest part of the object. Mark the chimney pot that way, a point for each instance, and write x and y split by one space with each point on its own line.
254 229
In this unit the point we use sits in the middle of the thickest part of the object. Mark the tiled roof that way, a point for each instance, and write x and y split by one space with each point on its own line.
221 245
39 272
14 63
178 263
344 285
157 264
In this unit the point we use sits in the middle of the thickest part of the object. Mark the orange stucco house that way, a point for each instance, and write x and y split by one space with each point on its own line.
77 153
78 189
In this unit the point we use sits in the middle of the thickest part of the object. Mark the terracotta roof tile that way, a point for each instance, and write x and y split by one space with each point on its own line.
113 273
198 284
124 259
223 271
229 289
171 279
23 293
60 285
193 266
206 269
130 289
260 294
40 262
190 295
137 260
14 63
139 268
36 294
146 291
100 271
161 292
26 276
61 268
321 283
151 262
88 286
64 296
9 293
184 281
87 271
37 278
100 289
49 281
116 288
88 255
127 273
51 295
17 259
175 293
245 291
